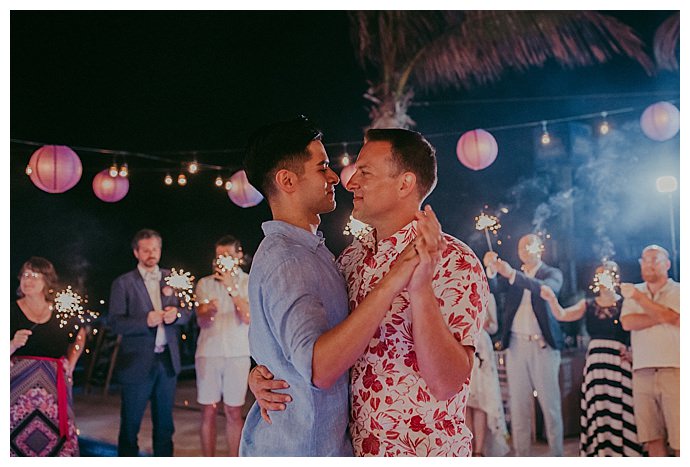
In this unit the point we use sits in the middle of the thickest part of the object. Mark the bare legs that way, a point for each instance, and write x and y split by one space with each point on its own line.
476 421
233 429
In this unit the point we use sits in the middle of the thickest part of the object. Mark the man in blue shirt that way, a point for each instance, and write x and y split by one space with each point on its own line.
300 323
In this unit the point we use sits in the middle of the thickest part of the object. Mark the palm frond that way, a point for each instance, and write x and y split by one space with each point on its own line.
466 48
666 40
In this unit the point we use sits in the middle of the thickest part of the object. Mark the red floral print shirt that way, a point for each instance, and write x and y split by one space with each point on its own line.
393 413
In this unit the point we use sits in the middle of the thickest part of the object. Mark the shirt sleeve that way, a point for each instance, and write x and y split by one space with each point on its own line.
295 313
463 294
202 290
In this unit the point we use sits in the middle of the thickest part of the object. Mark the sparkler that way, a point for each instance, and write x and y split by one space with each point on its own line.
183 284
487 223
229 263
356 228
607 278
68 305
534 247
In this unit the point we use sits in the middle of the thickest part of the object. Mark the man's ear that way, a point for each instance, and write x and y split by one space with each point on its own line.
286 180
408 184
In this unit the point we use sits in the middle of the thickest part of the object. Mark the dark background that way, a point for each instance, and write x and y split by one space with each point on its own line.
166 83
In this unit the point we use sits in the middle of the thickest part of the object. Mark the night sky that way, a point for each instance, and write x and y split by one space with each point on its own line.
165 82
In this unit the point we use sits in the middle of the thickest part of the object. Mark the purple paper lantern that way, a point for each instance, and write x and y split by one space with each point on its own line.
346 174
242 193
477 149
54 169
660 121
110 189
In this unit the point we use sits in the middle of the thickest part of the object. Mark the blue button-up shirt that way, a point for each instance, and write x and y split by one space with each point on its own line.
296 294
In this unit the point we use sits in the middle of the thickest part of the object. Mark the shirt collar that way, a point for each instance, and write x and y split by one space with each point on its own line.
396 242
669 283
295 233
144 273
533 271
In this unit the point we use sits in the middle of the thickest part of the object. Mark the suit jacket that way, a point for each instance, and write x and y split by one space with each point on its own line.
129 306
550 329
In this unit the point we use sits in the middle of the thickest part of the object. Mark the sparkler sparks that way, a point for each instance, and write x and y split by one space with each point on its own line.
183 284
228 263
68 305
356 228
487 223
535 247
607 278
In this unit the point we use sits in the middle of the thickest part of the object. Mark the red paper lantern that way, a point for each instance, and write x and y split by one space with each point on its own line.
660 121
54 169
477 149
346 174
110 189
242 193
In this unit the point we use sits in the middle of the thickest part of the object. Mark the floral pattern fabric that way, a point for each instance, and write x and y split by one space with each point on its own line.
393 412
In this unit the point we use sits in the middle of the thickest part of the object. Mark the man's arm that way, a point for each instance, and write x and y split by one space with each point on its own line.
444 363
119 317
654 313
336 350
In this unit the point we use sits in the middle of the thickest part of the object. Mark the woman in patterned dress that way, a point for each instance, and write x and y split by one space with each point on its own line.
607 419
42 358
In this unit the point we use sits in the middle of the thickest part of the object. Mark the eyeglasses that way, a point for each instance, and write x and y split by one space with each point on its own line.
650 262
34 275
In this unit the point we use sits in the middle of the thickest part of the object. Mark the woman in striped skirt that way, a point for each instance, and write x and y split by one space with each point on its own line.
607 419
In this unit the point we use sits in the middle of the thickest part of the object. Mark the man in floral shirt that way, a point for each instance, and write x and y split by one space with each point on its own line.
409 389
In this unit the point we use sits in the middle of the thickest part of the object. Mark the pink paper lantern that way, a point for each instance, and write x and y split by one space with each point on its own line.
242 193
54 169
346 174
660 121
477 149
110 189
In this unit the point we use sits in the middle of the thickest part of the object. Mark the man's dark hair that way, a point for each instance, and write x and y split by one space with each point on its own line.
411 153
229 240
143 234
281 145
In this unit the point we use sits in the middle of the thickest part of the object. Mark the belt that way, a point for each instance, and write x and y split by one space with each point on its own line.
538 338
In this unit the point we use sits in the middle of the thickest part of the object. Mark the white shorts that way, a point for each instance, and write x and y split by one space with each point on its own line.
222 378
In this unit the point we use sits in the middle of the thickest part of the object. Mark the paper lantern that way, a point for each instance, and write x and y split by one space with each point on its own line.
660 121
346 174
54 169
242 193
110 189
477 149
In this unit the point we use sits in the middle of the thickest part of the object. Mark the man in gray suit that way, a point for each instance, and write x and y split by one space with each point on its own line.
146 312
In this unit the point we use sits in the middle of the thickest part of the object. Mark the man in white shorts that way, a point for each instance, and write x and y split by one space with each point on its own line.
222 352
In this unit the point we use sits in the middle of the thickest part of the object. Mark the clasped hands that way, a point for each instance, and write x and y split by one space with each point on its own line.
167 315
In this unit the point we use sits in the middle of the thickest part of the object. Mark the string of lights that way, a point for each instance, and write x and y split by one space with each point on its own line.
193 165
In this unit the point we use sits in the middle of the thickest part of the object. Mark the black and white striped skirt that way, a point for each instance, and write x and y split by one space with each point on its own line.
607 419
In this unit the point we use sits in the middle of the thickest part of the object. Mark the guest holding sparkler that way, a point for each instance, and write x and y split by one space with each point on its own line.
532 338
148 315
607 419
43 355
651 311
222 352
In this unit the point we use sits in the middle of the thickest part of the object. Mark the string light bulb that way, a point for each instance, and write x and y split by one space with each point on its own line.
182 179
345 159
29 170
124 170
228 185
168 179
113 170
545 137
604 126
219 181
193 167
